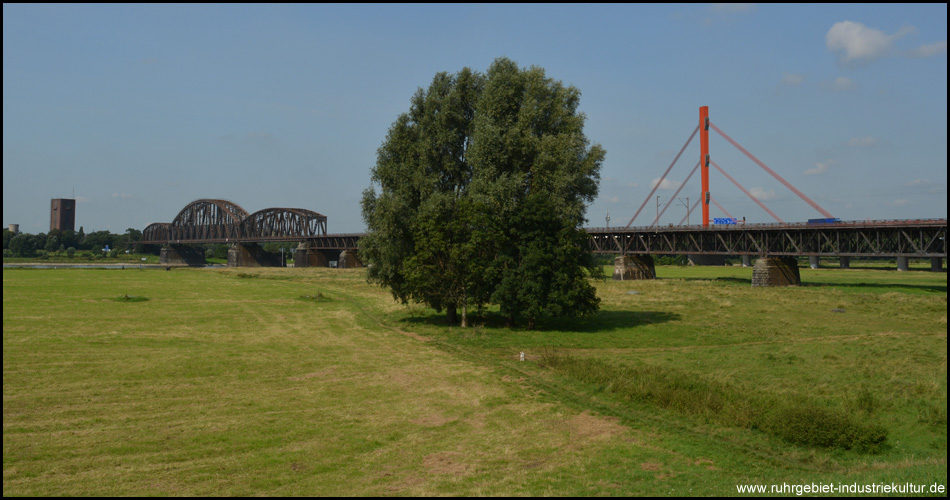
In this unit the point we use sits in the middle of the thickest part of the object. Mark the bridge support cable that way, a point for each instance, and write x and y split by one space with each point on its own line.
720 207
664 176
772 173
747 193
668 203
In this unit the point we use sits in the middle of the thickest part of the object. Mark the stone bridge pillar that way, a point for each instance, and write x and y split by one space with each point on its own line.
252 255
813 262
746 261
348 259
634 267
845 262
304 256
903 264
182 255
776 271
936 264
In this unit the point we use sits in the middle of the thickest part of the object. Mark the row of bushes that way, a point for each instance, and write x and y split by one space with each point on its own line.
81 256
800 422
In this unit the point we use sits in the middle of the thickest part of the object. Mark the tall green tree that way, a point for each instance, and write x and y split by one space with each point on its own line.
534 160
483 185
419 220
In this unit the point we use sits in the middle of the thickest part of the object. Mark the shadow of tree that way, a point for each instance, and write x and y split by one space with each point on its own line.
742 281
895 286
608 320
604 320
900 286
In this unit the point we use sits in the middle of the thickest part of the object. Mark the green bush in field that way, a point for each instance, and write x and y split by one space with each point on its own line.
813 426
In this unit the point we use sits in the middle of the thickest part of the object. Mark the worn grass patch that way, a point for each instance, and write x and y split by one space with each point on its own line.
318 297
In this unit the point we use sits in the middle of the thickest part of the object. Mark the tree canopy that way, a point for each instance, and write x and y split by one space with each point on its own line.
484 184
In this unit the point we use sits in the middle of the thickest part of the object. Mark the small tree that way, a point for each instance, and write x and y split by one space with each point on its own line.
52 243
23 245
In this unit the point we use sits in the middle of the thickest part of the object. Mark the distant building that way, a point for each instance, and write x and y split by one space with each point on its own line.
62 214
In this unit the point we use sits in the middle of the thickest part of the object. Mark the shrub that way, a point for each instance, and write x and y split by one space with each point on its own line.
129 298
319 297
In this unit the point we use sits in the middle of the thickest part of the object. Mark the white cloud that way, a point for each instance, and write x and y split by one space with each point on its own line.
918 183
82 199
632 185
840 84
854 42
929 50
666 184
792 79
820 168
762 194
862 142
614 199
899 202
121 195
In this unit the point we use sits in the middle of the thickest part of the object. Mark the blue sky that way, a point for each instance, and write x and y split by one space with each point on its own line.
137 110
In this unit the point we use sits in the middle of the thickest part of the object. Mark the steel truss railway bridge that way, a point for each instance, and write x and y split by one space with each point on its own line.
216 221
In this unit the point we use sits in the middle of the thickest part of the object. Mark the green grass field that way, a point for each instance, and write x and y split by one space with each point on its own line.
312 382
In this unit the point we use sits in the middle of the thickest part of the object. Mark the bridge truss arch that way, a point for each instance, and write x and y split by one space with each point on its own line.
281 223
207 220
157 231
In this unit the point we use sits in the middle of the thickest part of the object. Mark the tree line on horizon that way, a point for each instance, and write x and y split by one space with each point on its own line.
68 242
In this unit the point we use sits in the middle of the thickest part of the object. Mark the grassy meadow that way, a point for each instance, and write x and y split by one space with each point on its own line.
311 382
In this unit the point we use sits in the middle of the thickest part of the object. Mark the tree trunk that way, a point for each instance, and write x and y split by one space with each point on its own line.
452 315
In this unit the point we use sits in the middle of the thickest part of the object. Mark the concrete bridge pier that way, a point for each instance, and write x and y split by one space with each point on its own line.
776 271
251 255
813 262
304 256
634 267
845 262
746 261
936 264
903 264
349 260
182 255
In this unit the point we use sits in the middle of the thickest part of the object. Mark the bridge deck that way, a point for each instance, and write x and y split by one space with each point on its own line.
916 238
